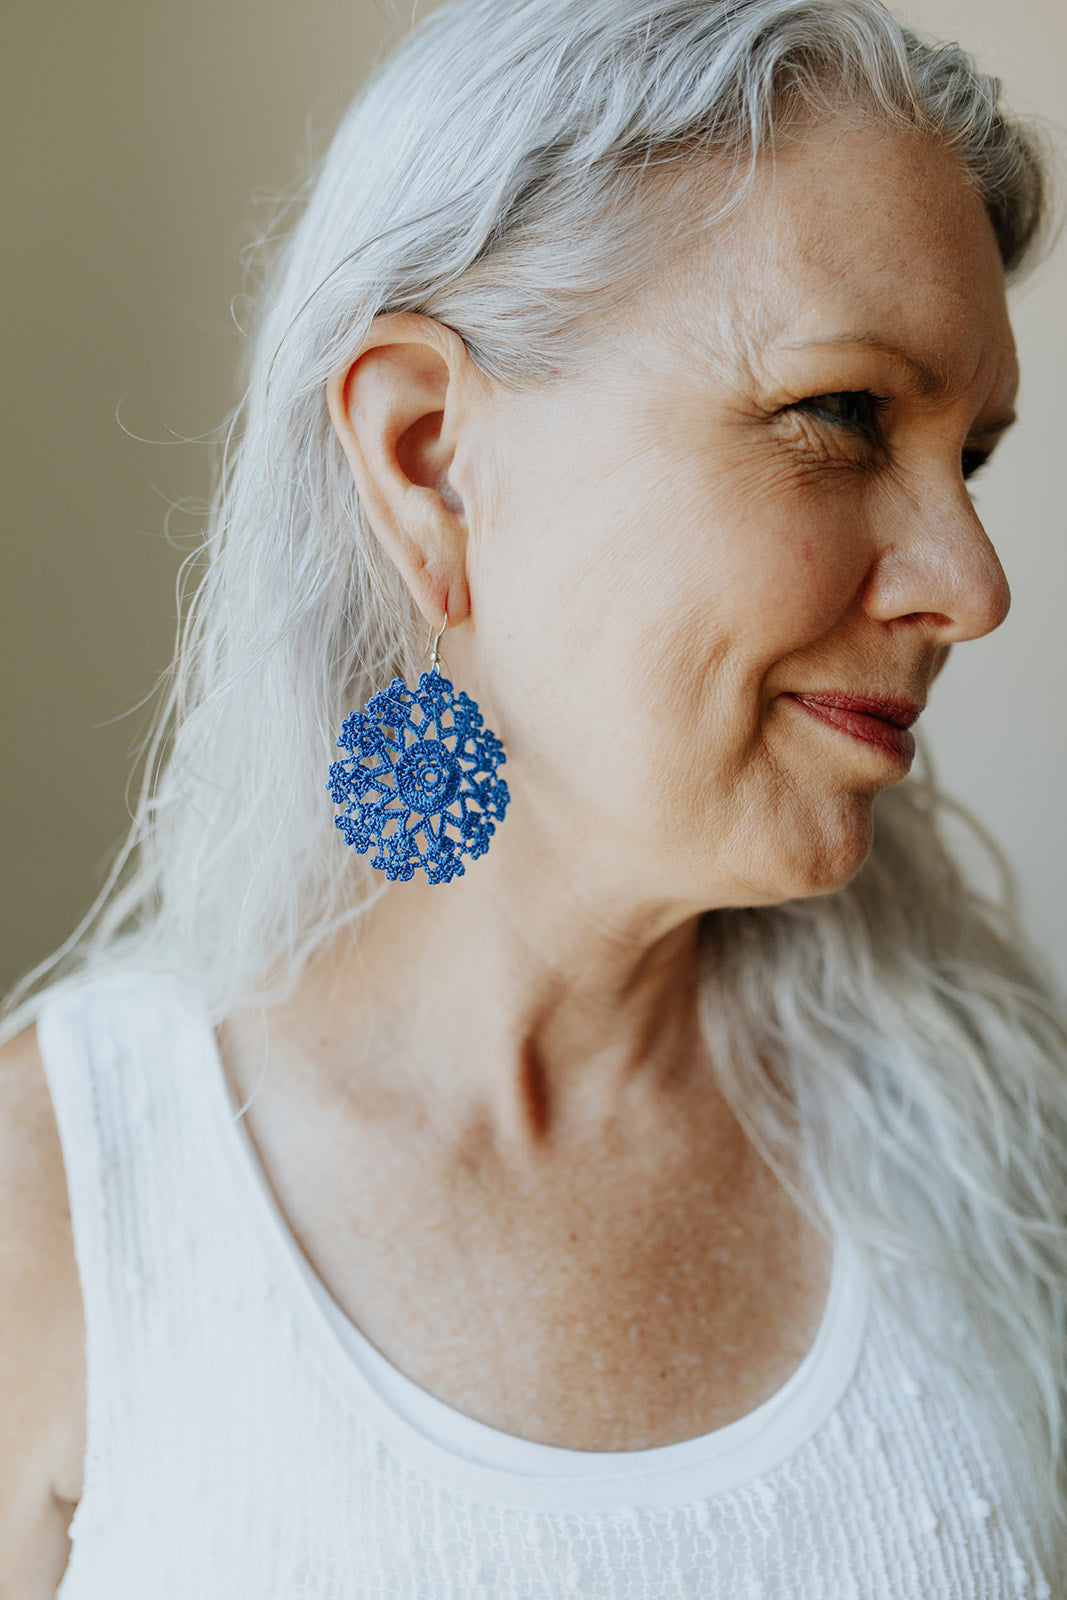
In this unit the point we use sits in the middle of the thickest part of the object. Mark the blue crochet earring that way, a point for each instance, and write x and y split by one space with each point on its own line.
418 778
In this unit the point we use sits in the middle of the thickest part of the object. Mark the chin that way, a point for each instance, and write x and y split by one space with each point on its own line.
822 858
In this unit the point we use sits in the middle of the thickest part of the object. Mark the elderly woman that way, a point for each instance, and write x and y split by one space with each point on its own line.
542 1113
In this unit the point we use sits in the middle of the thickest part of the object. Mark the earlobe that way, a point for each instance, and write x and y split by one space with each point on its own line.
396 411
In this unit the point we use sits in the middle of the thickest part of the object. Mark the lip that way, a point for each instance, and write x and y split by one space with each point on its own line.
878 720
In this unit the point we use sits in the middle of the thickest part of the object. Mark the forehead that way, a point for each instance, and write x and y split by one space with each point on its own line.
851 227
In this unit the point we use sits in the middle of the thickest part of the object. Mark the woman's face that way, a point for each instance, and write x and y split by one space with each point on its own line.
747 508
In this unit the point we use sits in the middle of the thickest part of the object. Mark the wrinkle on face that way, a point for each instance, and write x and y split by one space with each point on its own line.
691 549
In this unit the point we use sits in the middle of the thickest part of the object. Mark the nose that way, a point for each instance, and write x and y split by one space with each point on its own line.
937 565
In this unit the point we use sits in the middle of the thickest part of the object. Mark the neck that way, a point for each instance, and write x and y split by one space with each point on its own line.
521 990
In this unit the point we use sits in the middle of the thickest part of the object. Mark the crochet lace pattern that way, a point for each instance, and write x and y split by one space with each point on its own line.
418 780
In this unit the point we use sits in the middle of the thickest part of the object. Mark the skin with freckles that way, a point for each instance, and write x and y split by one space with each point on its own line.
491 1123
690 545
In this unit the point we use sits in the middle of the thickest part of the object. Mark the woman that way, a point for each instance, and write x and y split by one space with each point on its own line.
648 1178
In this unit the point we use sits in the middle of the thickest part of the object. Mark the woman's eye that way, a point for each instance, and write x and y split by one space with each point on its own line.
858 410
971 460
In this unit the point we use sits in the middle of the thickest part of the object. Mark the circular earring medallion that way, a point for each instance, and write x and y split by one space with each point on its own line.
418 780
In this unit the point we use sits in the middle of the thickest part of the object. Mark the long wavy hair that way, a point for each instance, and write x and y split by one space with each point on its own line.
498 173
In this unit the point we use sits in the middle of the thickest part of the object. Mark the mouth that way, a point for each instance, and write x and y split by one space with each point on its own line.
876 721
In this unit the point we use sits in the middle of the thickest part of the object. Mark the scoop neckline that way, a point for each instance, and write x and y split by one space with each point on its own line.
468 1456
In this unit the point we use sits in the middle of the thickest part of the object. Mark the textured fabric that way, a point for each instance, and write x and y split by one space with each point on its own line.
246 1443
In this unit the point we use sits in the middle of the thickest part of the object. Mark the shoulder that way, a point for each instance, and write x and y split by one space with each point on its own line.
42 1382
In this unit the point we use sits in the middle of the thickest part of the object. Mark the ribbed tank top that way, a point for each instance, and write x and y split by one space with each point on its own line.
246 1442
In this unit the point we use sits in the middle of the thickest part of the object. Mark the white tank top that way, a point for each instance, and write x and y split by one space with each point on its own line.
246 1442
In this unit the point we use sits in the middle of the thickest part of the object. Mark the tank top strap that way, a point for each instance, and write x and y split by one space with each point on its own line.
173 1287
131 1102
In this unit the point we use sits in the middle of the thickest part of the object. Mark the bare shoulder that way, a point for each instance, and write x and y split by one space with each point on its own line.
42 1341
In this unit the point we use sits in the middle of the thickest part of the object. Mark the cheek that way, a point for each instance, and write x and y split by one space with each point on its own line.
621 532
753 570
668 571
633 619
798 577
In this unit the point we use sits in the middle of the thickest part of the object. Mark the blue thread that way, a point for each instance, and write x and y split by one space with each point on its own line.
419 762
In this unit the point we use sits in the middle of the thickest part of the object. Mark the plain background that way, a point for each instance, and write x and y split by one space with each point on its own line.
146 143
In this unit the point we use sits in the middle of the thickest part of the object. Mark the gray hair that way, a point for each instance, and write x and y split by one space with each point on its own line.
498 174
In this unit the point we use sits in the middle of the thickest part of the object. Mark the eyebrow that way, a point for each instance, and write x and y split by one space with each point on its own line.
929 381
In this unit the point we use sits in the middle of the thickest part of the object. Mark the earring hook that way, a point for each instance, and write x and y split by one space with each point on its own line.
434 663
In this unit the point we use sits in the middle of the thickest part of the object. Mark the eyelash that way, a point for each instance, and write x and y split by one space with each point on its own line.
868 426
973 461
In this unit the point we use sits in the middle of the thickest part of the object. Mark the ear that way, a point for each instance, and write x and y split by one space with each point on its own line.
398 411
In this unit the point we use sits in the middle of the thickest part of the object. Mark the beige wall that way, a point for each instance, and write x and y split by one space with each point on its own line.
136 134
